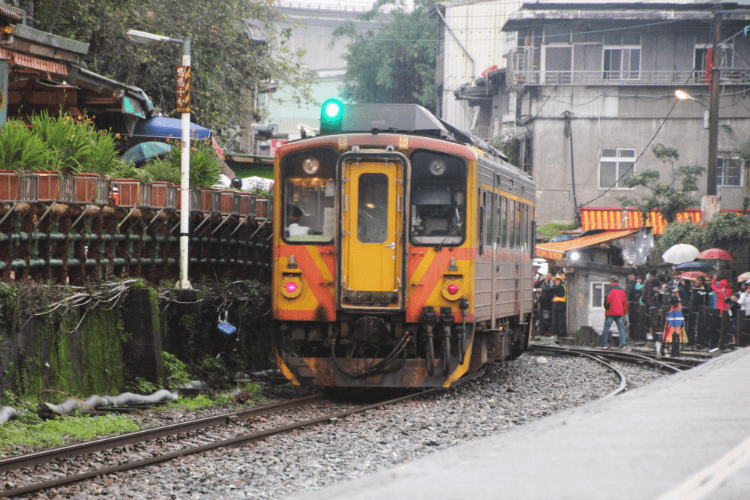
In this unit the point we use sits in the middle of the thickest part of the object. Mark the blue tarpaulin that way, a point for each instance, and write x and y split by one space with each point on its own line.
167 128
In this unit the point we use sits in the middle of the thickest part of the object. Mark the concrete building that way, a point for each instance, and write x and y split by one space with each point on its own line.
471 48
312 27
591 89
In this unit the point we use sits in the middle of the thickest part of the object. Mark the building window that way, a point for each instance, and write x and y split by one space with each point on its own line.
622 57
616 165
599 293
700 58
728 172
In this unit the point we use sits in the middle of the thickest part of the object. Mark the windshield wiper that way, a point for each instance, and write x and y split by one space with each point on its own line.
439 246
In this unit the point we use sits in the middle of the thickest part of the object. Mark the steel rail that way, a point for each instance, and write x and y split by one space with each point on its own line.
617 355
573 352
232 442
75 450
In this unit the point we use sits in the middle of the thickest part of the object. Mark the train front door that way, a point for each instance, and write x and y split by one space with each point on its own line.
372 232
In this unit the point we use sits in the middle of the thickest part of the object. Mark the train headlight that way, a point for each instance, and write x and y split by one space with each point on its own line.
291 288
310 165
437 167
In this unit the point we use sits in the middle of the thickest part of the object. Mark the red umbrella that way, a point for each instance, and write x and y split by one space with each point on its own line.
715 253
693 275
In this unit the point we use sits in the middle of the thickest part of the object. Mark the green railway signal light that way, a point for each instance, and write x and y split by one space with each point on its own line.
331 116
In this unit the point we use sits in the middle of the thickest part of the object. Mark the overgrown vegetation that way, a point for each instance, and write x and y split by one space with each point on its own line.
552 229
729 231
665 197
63 430
237 47
204 166
60 142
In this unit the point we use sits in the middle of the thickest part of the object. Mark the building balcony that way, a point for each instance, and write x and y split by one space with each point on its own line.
739 76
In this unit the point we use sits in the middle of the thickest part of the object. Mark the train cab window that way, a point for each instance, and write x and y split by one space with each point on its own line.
438 199
372 209
309 191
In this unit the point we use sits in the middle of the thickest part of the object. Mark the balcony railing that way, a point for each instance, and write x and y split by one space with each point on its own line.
740 76
522 71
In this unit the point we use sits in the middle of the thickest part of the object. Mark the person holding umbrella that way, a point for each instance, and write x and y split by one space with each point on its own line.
698 298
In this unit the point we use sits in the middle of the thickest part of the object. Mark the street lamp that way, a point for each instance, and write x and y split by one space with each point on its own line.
149 38
712 117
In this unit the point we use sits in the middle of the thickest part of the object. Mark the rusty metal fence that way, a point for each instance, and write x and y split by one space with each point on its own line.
67 229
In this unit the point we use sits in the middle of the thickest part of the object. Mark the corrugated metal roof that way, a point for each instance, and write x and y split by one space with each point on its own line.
557 250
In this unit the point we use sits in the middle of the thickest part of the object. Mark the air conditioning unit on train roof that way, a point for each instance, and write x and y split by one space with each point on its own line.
405 118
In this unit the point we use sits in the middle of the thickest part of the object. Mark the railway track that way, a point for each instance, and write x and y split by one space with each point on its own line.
670 365
184 431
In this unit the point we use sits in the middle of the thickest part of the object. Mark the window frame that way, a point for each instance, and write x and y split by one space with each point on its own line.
720 182
319 153
606 288
622 47
617 159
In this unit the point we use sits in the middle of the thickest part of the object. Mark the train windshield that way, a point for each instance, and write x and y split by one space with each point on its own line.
438 199
309 191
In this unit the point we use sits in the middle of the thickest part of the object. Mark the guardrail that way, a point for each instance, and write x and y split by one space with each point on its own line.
67 229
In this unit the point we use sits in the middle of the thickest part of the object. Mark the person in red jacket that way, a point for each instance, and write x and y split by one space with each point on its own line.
722 292
616 307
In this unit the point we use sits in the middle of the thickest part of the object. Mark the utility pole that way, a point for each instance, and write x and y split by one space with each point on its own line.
713 122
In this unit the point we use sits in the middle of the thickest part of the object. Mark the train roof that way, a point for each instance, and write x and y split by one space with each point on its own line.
407 119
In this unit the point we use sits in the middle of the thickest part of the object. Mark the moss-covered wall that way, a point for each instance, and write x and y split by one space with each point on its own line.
108 348
49 353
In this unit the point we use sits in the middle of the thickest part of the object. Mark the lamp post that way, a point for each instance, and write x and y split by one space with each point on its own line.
710 204
148 38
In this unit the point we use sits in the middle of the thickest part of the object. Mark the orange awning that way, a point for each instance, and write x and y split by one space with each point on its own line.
612 218
26 61
556 251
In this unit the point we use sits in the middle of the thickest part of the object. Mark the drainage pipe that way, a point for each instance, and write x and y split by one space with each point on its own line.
7 413
90 405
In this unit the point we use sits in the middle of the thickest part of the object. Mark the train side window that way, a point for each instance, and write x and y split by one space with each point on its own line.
518 223
524 231
499 200
481 222
504 221
490 219
511 224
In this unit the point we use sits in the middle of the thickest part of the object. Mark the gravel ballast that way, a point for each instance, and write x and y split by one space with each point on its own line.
507 396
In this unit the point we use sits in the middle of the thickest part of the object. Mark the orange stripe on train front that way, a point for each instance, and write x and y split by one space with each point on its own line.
319 286
429 280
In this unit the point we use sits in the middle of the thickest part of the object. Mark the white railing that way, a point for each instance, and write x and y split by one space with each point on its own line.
522 71
740 76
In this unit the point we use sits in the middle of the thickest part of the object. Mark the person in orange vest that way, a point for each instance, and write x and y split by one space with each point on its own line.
559 293
616 307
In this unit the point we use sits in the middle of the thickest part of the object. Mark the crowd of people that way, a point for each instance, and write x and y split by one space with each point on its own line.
651 289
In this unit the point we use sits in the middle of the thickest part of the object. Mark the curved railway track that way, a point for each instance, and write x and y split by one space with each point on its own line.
669 365
177 431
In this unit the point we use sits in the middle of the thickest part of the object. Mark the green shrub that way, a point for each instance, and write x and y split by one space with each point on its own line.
163 171
175 371
21 149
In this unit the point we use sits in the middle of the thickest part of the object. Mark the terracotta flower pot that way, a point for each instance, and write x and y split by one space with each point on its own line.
9 180
129 191
163 195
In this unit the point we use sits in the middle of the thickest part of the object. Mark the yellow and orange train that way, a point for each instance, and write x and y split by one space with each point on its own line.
402 252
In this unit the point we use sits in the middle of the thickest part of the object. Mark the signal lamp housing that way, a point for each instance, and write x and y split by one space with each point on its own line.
331 116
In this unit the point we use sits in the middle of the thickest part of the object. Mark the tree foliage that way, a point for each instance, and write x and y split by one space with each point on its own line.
665 198
235 47
729 231
396 63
